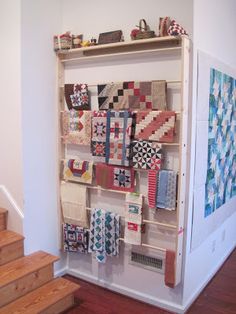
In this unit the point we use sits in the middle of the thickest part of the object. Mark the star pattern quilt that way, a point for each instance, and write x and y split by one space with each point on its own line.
111 136
76 96
76 127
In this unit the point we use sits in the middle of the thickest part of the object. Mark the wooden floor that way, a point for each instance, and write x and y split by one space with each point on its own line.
219 297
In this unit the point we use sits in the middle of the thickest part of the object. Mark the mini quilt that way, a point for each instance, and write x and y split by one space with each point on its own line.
75 238
167 188
76 127
155 125
76 96
133 233
104 234
114 177
111 136
146 155
133 207
132 95
152 188
79 171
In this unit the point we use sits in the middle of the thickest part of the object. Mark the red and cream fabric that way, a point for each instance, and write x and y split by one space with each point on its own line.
115 178
152 188
155 125
76 127
175 29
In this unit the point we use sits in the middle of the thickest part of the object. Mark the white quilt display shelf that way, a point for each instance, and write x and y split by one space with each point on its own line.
149 48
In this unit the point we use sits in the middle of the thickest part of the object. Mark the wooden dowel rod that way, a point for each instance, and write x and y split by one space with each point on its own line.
148 246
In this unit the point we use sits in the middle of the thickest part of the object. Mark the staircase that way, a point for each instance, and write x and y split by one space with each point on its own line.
27 285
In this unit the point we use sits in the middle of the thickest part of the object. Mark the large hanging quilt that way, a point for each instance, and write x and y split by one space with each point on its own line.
111 136
132 95
221 171
76 127
155 125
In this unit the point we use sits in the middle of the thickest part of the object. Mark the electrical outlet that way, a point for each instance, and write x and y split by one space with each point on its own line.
223 235
213 248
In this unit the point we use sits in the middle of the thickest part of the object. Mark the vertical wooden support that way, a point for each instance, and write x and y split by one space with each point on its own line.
60 150
183 153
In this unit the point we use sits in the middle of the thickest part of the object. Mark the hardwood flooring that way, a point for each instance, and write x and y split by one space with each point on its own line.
219 297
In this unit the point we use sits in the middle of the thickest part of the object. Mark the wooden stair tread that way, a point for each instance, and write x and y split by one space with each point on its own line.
19 268
8 237
41 298
3 211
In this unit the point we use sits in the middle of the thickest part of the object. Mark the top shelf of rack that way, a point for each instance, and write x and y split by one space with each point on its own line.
161 44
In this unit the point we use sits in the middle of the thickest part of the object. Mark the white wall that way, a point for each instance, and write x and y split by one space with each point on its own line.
10 108
214 25
92 17
40 21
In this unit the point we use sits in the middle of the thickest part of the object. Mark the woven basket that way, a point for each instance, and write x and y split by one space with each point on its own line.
62 42
144 31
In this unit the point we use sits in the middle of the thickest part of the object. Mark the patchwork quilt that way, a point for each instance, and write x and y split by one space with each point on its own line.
111 136
104 234
132 95
76 127
75 238
76 96
146 155
155 125
114 177
79 171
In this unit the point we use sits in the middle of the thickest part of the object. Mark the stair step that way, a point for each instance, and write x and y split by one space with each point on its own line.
3 219
54 297
11 246
25 274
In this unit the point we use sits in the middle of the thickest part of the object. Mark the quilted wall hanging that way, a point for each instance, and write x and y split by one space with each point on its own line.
155 125
79 171
74 203
76 96
75 238
146 155
76 127
111 136
115 178
104 234
167 187
132 95
221 169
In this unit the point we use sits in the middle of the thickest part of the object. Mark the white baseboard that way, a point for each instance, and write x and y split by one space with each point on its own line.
15 213
61 272
200 288
173 307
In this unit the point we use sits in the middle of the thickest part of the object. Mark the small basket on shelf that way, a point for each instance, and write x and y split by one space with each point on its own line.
143 31
63 42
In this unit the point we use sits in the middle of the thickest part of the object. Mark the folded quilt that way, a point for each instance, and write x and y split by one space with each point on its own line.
152 188
111 136
76 127
79 171
76 96
75 238
155 125
104 234
166 192
74 203
115 178
132 95
133 207
146 155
